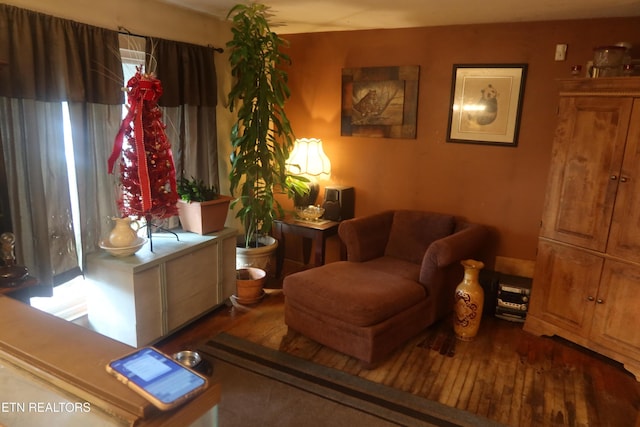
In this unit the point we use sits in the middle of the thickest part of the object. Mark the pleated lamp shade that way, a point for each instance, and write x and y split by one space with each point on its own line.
308 159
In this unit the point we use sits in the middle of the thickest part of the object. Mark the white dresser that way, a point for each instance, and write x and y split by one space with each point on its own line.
141 298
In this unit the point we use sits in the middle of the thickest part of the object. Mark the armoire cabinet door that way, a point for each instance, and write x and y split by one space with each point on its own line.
565 286
616 322
585 169
624 238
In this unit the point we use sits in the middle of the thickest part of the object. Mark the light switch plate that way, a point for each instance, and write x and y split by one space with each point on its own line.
561 52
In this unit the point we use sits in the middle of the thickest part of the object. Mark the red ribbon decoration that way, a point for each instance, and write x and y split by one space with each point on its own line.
141 88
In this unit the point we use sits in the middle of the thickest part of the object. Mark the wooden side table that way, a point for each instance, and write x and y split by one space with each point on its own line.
312 232
21 289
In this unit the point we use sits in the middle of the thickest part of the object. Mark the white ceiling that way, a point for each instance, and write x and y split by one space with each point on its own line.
305 16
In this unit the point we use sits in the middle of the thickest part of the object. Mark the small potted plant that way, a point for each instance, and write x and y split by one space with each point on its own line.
201 208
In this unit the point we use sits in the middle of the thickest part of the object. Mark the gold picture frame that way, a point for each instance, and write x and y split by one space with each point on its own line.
486 103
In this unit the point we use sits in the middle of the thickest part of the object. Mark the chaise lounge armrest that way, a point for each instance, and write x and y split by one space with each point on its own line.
464 243
366 237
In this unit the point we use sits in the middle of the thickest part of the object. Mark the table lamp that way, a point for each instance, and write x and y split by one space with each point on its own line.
308 159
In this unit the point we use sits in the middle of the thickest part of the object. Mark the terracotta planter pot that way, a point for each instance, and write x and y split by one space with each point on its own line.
249 285
204 217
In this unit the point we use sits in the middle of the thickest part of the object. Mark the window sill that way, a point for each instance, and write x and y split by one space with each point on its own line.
69 300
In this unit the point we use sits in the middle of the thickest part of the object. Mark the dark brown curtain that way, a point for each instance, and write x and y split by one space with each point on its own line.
187 71
189 98
52 60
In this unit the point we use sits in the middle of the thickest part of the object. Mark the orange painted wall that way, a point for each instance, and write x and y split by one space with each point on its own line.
502 187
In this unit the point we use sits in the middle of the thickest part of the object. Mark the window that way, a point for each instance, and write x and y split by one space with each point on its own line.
69 298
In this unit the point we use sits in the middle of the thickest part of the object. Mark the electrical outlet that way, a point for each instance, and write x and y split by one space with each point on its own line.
561 52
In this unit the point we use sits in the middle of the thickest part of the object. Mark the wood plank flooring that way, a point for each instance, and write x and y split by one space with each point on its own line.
505 374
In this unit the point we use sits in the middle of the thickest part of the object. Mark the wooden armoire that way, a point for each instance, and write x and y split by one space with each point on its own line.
586 285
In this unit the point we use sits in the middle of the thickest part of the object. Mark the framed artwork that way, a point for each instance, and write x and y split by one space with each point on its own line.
486 103
380 102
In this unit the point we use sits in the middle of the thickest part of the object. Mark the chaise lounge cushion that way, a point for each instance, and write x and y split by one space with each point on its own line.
395 267
353 293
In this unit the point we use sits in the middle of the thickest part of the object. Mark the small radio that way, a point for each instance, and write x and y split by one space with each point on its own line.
339 203
512 301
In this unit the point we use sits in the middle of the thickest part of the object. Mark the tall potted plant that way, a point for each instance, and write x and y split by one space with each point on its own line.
261 137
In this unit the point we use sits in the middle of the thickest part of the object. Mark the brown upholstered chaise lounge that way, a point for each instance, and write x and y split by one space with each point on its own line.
400 277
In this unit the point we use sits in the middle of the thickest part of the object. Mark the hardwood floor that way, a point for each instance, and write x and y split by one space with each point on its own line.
505 374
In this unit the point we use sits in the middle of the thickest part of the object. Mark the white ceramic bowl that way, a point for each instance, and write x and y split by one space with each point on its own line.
123 251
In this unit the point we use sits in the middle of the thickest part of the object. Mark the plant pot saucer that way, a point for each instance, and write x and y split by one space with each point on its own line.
245 301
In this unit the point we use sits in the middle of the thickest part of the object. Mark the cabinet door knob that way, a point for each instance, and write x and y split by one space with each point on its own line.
590 298
613 177
600 301
624 179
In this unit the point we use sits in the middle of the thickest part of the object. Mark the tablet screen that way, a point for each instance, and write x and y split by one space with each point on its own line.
157 374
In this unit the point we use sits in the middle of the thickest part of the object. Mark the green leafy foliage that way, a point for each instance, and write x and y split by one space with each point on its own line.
262 137
193 190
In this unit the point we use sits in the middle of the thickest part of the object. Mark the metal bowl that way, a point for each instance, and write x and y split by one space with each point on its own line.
188 358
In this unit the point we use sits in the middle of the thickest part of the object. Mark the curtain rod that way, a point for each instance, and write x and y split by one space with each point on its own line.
123 30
